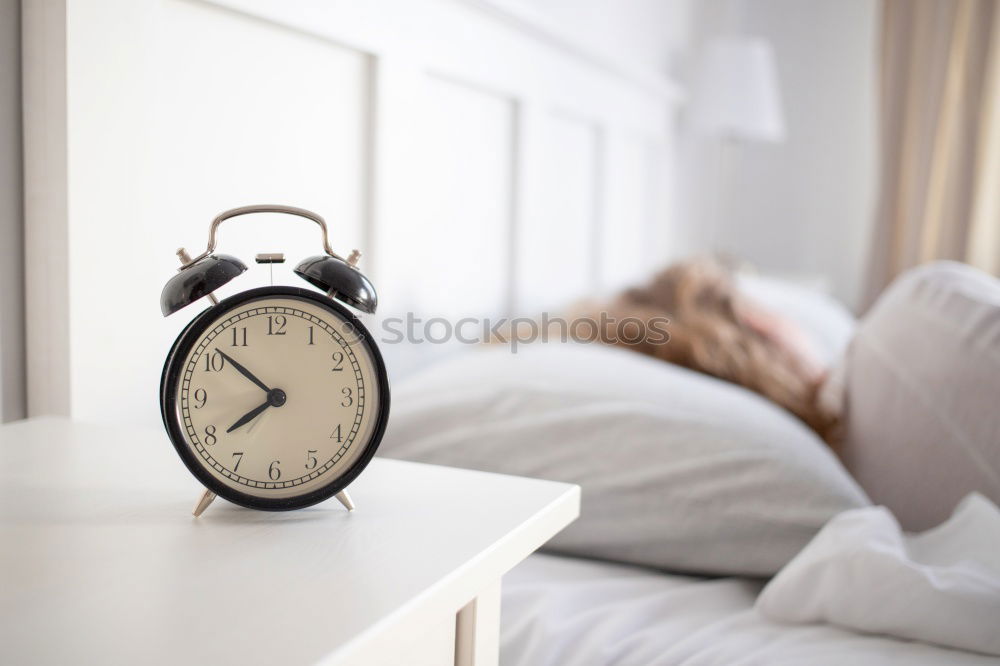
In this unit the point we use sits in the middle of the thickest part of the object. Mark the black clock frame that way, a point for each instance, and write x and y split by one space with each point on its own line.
173 371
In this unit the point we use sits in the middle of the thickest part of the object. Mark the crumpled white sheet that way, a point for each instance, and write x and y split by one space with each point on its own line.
862 572
560 611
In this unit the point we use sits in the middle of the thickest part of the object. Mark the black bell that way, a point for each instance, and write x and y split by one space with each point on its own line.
339 280
198 280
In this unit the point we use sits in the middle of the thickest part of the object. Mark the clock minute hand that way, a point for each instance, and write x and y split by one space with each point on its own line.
243 371
249 416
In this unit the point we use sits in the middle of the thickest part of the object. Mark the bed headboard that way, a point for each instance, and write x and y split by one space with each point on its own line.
484 162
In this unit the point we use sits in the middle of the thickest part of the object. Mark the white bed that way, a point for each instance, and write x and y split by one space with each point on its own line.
685 473
561 611
679 492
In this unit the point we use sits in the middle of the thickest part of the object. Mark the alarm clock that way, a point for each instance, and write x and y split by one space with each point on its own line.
275 398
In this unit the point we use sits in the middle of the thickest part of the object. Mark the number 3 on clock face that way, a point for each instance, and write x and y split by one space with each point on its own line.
276 398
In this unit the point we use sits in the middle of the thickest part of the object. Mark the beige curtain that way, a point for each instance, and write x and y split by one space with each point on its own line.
940 137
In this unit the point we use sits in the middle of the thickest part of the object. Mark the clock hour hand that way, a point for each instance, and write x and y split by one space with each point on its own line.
243 371
275 398
249 416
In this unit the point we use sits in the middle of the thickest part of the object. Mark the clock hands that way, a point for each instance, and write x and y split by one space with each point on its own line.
249 416
243 371
275 397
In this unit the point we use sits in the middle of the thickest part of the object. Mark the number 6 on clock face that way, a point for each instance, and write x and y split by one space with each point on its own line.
276 398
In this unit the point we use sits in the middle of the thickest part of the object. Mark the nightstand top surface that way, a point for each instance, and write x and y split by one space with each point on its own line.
102 561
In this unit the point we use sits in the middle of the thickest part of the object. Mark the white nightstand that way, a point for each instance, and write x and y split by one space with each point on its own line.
102 562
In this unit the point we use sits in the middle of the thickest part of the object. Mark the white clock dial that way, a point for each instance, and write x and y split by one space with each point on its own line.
277 397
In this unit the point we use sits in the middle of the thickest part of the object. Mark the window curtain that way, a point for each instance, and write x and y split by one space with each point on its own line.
940 137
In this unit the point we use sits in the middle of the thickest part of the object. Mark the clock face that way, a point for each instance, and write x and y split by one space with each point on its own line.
277 397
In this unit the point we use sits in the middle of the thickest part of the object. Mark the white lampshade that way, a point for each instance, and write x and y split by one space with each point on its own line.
736 92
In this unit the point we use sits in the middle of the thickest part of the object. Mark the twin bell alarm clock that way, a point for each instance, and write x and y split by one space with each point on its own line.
275 398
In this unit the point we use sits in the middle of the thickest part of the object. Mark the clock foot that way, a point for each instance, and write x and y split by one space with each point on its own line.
203 502
345 499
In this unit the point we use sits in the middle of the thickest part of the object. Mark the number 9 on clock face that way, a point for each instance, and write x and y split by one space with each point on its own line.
276 398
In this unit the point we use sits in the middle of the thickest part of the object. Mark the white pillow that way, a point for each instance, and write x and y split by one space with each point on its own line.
679 470
922 388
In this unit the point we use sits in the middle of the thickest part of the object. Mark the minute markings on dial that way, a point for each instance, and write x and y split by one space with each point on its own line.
327 460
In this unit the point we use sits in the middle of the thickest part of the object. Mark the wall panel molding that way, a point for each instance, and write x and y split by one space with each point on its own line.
46 208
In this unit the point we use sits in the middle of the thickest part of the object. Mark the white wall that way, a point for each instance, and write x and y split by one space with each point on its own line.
439 150
531 98
648 32
803 207
12 399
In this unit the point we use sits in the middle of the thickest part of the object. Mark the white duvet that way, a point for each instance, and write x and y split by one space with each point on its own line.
863 572
862 592
560 611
